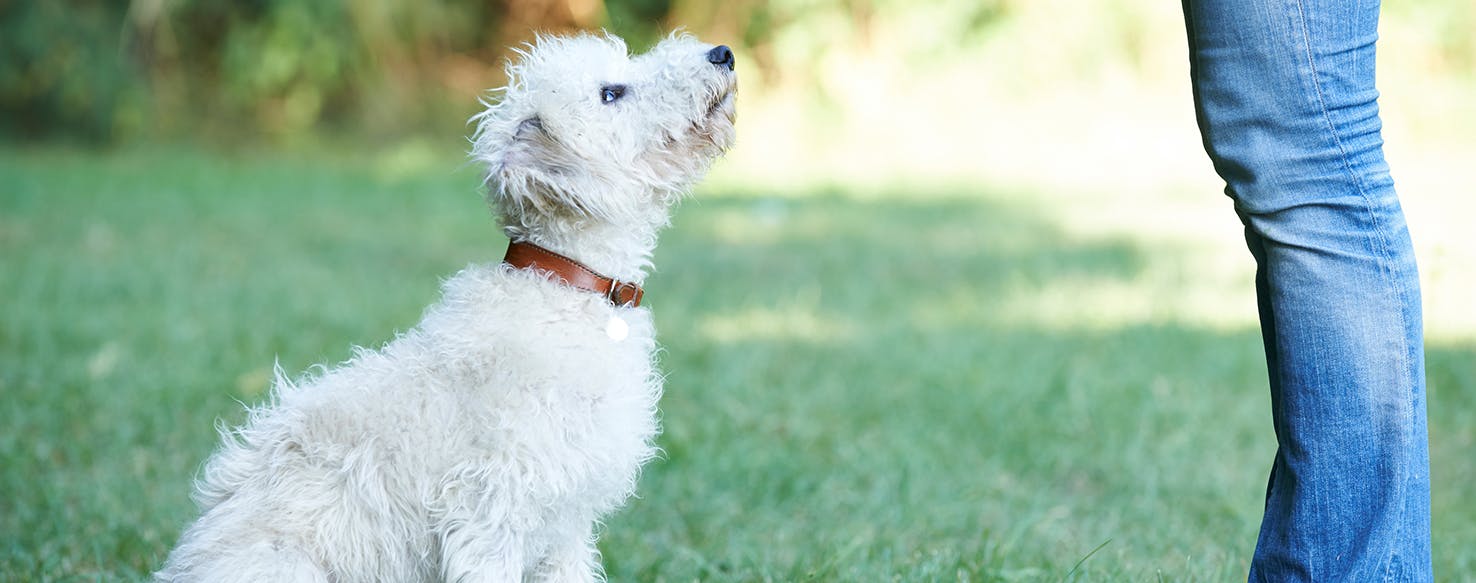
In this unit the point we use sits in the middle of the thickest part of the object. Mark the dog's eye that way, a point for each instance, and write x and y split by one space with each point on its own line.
610 93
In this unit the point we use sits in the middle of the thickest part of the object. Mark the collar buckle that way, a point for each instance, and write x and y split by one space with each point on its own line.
625 293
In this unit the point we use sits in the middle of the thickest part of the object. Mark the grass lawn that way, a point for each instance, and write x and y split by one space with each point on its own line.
894 385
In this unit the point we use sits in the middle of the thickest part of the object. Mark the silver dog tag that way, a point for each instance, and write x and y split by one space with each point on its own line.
617 329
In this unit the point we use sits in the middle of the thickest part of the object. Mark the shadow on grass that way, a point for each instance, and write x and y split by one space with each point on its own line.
822 422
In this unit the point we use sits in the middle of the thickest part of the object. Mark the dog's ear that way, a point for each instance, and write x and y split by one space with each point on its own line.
525 160
534 169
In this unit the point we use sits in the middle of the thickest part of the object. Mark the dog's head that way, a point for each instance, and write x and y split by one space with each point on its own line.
586 131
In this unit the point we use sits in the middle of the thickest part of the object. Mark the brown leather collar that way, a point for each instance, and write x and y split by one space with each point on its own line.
525 255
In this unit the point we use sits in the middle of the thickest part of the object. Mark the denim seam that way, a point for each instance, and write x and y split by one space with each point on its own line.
1379 240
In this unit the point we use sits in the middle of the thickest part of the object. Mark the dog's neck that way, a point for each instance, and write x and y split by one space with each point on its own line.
620 251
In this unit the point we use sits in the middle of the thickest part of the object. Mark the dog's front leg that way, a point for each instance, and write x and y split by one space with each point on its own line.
473 555
573 559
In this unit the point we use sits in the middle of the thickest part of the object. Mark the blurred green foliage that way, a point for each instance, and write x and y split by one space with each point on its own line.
110 69
61 69
103 70
106 68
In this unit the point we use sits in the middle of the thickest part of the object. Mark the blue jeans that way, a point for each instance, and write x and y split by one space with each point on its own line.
1284 92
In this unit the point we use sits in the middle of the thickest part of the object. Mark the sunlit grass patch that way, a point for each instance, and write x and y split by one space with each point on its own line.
929 383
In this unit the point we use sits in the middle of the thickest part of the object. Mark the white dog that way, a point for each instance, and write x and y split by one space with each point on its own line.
486 443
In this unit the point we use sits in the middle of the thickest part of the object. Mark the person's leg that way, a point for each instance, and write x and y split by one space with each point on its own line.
1284 91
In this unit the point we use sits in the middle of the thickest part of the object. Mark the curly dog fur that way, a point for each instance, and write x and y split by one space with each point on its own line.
486 443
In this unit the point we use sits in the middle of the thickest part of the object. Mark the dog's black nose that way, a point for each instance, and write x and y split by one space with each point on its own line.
721 56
